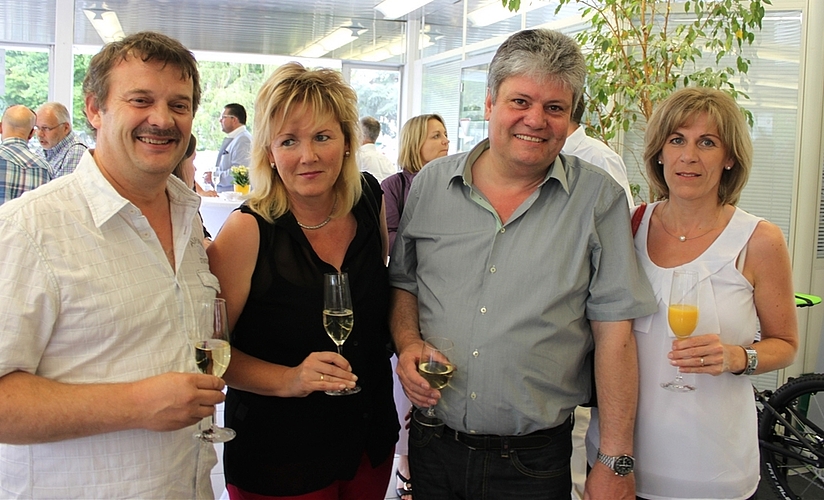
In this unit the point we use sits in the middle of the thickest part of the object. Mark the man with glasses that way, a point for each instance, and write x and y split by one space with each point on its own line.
236 149
60 146
20 169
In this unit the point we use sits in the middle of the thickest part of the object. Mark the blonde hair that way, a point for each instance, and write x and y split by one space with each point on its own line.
413 135
681 107
325 93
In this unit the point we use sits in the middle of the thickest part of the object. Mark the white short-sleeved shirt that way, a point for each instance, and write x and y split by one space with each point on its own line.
596 152
87 295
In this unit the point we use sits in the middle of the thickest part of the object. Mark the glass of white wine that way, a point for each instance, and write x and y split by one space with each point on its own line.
338 318
434 366
212 355
682 317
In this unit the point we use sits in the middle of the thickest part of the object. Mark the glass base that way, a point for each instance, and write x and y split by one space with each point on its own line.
216 435
423 417
677 387
344 392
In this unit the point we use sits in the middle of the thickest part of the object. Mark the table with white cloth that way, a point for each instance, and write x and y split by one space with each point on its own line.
215 211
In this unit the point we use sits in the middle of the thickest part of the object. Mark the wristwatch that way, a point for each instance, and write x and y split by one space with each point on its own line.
621 465
752 360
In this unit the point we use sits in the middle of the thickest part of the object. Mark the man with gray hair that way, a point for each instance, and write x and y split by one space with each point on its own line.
369 158
523 258
20 169
60 146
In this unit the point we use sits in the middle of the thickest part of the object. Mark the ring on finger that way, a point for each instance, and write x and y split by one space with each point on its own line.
321 377
702 361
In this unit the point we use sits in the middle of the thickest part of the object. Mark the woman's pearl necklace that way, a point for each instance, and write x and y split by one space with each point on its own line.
318 226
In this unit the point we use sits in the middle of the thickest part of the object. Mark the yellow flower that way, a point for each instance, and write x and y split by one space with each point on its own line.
240 175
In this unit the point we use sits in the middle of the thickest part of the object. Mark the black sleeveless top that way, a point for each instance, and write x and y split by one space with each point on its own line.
293 446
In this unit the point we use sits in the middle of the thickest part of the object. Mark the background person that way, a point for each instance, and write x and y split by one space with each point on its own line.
495 251
101 275
369 158
422 139
587 148
236 149
60 146
311 212
704 444
20 169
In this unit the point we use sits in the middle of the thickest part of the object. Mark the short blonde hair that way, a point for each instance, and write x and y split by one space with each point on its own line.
413 135
678 110
324 92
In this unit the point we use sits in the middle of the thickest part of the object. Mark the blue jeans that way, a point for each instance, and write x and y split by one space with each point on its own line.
443 468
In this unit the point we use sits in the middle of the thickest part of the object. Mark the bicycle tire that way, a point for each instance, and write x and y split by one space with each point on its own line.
792 456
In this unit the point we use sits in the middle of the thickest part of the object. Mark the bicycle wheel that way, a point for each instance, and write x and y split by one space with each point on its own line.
792 441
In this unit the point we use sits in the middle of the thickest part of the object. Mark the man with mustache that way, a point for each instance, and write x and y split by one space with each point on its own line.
101 276
522 257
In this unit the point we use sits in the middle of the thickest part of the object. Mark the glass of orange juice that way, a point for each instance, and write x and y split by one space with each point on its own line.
682 317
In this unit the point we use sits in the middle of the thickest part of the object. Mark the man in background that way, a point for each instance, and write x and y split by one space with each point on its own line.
579 144
369 158
236 149
102 279
60 146
20 169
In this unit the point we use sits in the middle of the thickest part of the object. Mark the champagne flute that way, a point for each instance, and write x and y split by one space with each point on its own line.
212 356
338 318
434 366
682 317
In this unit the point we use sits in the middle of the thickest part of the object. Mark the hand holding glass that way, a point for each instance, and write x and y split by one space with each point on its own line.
682 317
434 366
212 355
338 318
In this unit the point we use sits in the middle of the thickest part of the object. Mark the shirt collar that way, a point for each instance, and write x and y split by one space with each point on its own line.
105 202
236 132
463 171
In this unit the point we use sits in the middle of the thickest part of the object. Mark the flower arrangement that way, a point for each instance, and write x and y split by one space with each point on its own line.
240 175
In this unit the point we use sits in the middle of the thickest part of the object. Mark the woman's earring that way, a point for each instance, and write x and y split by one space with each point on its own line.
660 162
273 166
728 168
346 154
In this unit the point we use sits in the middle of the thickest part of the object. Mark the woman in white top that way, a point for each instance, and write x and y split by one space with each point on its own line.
703 444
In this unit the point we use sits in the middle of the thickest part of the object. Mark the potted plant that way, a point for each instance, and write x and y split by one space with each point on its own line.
240 179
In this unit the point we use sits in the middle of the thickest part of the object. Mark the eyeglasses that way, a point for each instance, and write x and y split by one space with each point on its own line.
47 129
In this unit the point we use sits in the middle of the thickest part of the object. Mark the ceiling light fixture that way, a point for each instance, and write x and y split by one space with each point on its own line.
106 23
393 9
495 12
332 41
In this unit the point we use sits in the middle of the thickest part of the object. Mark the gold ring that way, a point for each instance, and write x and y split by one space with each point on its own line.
321 377
702 363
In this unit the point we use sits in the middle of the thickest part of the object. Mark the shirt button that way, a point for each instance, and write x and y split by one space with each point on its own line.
483 310
492 269
503 230
473 395
475 353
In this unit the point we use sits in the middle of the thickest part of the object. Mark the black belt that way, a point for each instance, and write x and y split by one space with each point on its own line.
537 439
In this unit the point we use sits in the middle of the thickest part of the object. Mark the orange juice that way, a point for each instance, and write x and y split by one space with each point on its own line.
682 319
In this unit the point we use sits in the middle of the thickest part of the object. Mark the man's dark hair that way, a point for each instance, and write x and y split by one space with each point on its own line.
148 46
578 112
237 111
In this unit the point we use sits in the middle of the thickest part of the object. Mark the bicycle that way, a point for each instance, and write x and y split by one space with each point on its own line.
790 433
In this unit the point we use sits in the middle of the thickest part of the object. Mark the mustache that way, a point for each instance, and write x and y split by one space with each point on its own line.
170 133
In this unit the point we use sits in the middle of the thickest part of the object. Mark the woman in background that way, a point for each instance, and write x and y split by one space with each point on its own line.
704 444
423 138
311 213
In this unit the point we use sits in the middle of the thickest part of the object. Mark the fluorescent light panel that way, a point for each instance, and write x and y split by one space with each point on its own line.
393 9
106 24
496 12
330 42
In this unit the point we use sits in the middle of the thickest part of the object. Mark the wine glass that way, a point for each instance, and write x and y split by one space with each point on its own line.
434 366
682 317
212 355
338 319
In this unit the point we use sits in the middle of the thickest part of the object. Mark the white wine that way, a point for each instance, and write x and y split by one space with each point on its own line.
213 356
436 373
338 324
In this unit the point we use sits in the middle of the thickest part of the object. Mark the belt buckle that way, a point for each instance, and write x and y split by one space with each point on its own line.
505 447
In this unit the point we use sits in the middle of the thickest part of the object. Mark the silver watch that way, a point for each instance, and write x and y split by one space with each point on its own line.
621 465
752 360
